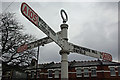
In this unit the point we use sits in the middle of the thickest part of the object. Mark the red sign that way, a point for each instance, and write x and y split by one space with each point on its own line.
106 56
22 48
29 13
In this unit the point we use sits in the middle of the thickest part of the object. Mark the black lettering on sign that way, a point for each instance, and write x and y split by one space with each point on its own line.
93 51
51 31
77 49
43 26
80 50
38 43
48 29
85 49
45 30
83 52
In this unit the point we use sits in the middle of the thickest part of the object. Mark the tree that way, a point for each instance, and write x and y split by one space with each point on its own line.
11 38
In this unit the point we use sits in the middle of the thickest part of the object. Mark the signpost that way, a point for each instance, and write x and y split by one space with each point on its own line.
59 38
31 15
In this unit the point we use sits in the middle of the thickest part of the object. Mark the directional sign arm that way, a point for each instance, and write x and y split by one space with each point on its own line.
42 41
34 44
88 52
32 16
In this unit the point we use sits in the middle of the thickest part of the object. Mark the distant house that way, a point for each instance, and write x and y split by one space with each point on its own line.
77 70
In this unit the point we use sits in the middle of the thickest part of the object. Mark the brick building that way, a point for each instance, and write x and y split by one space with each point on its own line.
78 70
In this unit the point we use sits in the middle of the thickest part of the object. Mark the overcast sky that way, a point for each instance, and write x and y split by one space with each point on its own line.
93 25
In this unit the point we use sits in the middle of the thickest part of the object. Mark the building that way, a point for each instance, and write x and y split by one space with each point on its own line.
11 72
78 70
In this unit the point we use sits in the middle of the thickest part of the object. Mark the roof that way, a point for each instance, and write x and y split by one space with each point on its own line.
74 63
81 64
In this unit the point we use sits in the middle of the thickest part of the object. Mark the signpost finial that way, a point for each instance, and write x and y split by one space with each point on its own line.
65 17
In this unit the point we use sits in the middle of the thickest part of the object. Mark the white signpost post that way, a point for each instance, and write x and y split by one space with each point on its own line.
59 38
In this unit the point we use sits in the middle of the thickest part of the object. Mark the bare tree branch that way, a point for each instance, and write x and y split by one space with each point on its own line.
13 37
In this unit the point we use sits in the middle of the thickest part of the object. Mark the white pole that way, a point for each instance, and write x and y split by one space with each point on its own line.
64 54
64 65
